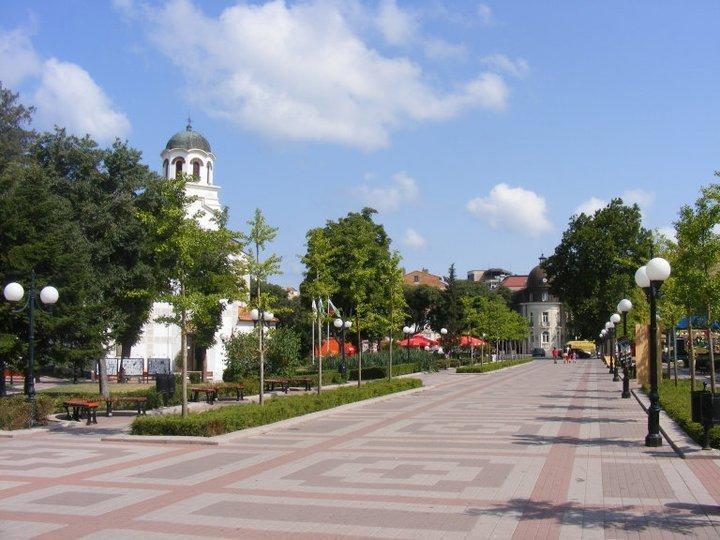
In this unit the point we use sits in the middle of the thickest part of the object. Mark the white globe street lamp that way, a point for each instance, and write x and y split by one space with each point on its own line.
650 278
13 292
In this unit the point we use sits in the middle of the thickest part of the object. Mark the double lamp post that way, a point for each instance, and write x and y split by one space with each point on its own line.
14 293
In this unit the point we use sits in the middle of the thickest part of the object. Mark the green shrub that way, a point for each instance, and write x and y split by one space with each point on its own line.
492 366
380 372
236 417
675 400
15 411
195 377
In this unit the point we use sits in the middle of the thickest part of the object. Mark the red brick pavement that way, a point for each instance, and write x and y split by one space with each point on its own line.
536 451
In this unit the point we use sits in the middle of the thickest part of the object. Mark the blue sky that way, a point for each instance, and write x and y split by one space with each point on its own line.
476 129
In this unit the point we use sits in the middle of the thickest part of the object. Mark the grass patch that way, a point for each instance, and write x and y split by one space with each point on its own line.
236 417
91 388
493 366
676 403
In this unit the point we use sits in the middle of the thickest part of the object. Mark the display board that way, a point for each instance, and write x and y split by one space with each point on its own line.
158 365
133 366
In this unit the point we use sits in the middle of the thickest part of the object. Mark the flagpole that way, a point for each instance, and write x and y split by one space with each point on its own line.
312 328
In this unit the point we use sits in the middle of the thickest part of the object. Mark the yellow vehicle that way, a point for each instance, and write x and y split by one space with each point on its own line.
584 348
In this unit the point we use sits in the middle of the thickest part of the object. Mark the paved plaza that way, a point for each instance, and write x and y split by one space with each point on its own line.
535 451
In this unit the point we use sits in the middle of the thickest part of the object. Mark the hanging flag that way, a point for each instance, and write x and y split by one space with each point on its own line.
321 308
314 307
335 311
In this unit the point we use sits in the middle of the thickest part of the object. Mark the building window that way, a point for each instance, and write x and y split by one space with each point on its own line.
544 296
166 167
545 318
532 319
179 162
416 279
196 169
546 337
209 170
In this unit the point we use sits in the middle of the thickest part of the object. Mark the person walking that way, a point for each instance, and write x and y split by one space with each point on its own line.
554 355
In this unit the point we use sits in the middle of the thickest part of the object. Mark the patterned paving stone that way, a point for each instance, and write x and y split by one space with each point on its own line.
535 451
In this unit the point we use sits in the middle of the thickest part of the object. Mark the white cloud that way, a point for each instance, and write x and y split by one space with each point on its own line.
302 71
413 239
69 97
644 199
389 198
18 59
589 207
517 68
485 13
439 49
512 209
398 27
667 232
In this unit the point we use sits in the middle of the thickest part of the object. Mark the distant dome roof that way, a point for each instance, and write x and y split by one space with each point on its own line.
537 278
187 140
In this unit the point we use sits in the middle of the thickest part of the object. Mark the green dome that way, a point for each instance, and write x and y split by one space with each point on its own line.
187 140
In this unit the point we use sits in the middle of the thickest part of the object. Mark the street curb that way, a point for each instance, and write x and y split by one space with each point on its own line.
228 438
679 441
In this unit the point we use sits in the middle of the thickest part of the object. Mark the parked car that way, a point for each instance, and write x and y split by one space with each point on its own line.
537 352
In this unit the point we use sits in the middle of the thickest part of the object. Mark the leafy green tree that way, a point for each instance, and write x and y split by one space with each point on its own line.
593 267
243 356
260 236
449 313
697 260
15 137
351 260
204 267
422 302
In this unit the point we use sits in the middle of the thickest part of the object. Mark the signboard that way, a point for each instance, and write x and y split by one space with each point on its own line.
133 366
158 365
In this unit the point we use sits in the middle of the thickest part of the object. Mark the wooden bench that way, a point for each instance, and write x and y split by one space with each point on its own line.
211 392
236 388
286 382
80 407
139 401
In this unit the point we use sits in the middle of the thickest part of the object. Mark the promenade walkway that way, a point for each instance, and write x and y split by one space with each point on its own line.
535 451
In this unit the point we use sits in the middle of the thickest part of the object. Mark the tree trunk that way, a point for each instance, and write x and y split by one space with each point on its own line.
103 378
692 355
183 346
711 346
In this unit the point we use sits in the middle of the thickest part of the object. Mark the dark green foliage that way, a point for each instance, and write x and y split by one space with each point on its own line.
492 366
15 411
594 265
381 372
283 351
233 418
15 137
675 400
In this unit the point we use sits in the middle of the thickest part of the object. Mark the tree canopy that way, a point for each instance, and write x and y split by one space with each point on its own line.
594 265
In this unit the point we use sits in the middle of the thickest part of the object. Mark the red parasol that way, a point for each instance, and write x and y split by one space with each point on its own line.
468 341
417 341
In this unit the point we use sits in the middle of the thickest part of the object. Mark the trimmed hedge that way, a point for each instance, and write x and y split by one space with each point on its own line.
676 403
493 366
236 417
381 372
15 411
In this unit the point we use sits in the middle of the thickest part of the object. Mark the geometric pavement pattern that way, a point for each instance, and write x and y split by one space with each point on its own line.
535 451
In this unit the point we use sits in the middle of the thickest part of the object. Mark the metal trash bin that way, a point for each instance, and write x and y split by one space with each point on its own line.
165 384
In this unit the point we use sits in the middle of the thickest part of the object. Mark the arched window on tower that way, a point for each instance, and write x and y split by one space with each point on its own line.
166 165
178 162
196 169
209 172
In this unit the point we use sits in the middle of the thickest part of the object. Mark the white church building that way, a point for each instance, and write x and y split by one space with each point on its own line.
159 344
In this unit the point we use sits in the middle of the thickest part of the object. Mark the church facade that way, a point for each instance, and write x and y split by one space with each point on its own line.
158 348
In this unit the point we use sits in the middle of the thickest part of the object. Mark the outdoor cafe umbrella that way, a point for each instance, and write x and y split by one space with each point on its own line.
417 341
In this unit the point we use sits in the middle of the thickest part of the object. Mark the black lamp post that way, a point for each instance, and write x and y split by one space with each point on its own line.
623 307
650 278
608 345
615 319
14 292
263 319
341 325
